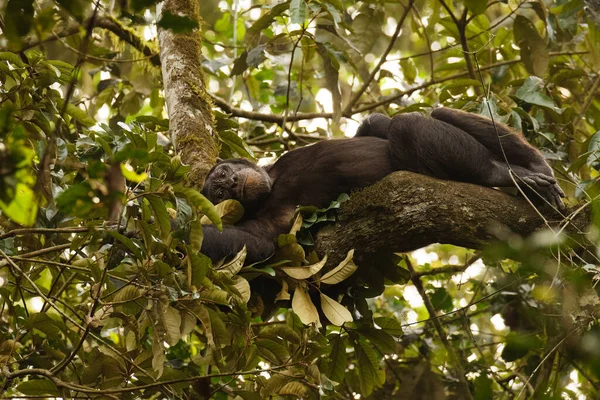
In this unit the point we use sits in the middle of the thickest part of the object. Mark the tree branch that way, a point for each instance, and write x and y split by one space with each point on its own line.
406 211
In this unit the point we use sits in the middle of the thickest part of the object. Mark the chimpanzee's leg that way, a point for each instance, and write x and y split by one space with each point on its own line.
434 147
507 145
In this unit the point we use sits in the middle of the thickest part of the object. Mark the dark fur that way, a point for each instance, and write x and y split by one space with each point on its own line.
451 145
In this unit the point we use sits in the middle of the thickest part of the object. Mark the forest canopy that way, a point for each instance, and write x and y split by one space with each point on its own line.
112 113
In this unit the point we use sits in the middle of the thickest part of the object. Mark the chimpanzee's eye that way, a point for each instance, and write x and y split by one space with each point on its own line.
220 193
223 174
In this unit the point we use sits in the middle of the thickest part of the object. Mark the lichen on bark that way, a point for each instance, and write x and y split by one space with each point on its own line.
189 106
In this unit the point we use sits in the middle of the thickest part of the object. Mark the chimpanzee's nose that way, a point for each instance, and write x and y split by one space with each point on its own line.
233 181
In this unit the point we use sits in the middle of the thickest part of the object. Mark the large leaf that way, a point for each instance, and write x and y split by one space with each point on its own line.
160 213
305 272
230 211
533 92
252 33
593 159
336 365
23 207
298 11
369 373
76 112
197 199
534 50
341 272
171 320
336 313
304 307
235 265
38 387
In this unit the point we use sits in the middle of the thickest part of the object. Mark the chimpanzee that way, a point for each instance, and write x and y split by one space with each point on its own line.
451 144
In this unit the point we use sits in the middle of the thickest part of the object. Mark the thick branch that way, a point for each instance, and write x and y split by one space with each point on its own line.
406 211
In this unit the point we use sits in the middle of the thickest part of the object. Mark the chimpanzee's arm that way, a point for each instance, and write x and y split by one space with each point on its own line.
218 245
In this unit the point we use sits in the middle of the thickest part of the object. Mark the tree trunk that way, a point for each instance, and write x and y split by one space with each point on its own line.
188 103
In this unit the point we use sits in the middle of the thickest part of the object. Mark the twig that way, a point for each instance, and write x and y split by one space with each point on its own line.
457 363
27 231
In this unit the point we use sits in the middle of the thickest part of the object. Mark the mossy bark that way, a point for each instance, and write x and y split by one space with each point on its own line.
407 211
188 103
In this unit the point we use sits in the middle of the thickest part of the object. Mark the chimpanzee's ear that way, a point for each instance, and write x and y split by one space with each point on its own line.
219 159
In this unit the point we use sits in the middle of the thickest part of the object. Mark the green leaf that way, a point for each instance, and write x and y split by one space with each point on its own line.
196 235
593 159
200 264
295 388
23 208
43 323
216 296
298 12
158 354
235 265
338 358
389 325
441 300
76 112
219 329
243 287
127 293
476 6
130 174
462 83
235 142
131 246
160 213
532 91
197 199
18 19
517 346
382 341
38 387
409 69
253 33
280 332
369 373
274 351
483 388
12 58
534 50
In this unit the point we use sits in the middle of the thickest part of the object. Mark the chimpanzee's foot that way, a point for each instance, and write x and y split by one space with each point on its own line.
545 186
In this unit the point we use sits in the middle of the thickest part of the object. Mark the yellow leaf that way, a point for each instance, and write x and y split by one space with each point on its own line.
336 313
230 211
130 174
304 272
304 307
283 293
234 266
297 224
172 323
243 287
341 272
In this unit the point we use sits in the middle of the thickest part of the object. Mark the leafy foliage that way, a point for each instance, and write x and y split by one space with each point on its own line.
104 292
